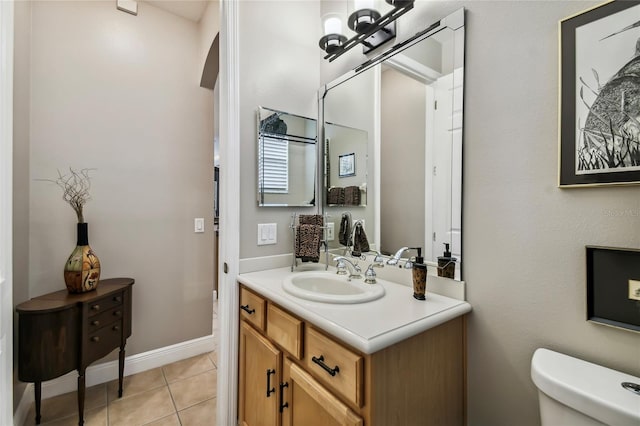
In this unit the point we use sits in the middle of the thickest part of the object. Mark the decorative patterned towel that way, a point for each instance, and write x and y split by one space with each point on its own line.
308 239
311 219
352 196
335 195
360 242
344 236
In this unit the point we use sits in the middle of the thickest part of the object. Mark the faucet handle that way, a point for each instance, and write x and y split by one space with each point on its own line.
341 267
370 274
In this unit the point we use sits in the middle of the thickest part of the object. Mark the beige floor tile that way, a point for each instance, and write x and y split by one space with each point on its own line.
171 420
66 405
142 408
200 414
95 417
137 383
187 368
194 390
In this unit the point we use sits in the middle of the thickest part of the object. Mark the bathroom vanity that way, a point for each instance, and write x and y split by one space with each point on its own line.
391 361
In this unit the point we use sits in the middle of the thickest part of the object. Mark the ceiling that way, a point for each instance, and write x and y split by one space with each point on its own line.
189 9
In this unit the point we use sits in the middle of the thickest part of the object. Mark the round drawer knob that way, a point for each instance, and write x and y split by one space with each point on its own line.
117 313
117 299
116 328
95 307
95 339
95 323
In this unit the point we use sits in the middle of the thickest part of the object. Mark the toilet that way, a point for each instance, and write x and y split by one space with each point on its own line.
573 392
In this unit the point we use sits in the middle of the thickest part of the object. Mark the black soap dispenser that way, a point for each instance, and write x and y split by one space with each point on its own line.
446 264
419 273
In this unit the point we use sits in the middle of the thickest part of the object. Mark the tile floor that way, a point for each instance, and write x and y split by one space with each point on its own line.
178 394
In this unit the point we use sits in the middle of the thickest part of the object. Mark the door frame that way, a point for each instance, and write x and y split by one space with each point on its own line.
229 225
6 194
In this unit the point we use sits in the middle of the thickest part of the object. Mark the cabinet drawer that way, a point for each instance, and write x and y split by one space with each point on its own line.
336 366
252 308
285 329
105 304
104 341
105 318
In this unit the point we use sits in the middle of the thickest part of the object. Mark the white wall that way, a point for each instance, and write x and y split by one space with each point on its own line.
279 69
120 93
523 237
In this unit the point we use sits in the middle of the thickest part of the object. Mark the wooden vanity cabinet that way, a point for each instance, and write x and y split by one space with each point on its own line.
291 374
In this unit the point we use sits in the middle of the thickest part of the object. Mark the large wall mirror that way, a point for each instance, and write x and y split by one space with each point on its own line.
408 104
287 156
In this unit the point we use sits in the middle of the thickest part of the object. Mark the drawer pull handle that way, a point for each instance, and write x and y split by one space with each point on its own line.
95 339
286 404
117 313
116 328
247 310
320 361
270 390
95 307
95 323
117 299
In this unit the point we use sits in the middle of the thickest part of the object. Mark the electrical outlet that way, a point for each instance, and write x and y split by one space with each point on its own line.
330 231
634 290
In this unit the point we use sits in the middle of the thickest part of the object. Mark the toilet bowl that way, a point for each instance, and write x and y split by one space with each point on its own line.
574 392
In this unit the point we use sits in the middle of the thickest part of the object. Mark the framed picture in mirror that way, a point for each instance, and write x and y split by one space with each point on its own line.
347 165
600 96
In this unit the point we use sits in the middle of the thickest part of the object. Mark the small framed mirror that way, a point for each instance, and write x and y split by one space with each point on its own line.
287 152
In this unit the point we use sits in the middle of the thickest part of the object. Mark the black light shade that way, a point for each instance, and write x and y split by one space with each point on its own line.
332 43
361 21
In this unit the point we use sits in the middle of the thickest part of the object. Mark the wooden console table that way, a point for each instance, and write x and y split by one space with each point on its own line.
60 332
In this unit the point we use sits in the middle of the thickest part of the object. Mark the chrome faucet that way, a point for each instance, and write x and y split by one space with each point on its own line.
396 257
342 263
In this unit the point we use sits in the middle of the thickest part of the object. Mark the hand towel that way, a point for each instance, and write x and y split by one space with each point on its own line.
360 242
308 239
344 236
311 219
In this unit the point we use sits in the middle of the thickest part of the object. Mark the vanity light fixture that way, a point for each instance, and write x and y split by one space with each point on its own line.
372 29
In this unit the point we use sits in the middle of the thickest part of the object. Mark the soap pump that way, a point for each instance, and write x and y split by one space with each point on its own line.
446 263
419 273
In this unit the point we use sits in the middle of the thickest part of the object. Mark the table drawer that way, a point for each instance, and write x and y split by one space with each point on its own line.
285 329
104 341
252 308
105 318
336 366
105 303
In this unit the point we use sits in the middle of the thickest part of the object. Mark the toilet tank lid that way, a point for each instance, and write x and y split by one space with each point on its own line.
588 388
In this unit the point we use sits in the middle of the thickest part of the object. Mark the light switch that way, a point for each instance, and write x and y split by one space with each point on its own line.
198 224
267 233
330 231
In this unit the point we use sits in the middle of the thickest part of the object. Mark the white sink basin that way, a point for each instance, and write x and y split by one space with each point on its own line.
329 287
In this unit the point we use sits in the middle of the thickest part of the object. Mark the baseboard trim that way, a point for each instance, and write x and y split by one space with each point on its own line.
107 371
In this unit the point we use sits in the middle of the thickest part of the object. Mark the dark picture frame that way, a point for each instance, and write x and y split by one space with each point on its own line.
600 96
347 165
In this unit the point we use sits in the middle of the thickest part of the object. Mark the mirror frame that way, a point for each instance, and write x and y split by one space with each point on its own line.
454 21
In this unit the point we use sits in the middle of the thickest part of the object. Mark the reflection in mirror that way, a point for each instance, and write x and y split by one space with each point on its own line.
346 165
286 159
409 101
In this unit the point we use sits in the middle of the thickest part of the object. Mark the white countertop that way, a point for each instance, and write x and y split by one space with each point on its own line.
368 327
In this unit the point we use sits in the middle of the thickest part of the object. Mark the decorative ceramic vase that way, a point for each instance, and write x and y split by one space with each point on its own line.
82 270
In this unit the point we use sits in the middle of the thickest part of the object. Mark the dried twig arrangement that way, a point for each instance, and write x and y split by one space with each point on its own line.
75 189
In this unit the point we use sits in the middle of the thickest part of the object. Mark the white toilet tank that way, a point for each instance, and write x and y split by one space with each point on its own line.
574 392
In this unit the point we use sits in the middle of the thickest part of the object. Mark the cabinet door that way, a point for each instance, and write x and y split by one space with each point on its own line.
259 378
307 402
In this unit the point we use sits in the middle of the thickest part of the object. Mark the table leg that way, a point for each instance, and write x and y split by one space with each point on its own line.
81 389
120 370
38 391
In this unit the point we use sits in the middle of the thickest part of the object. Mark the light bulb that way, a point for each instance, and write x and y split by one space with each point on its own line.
363 4
332 25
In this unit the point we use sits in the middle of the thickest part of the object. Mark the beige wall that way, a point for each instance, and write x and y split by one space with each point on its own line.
279 69
523 237
120 93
